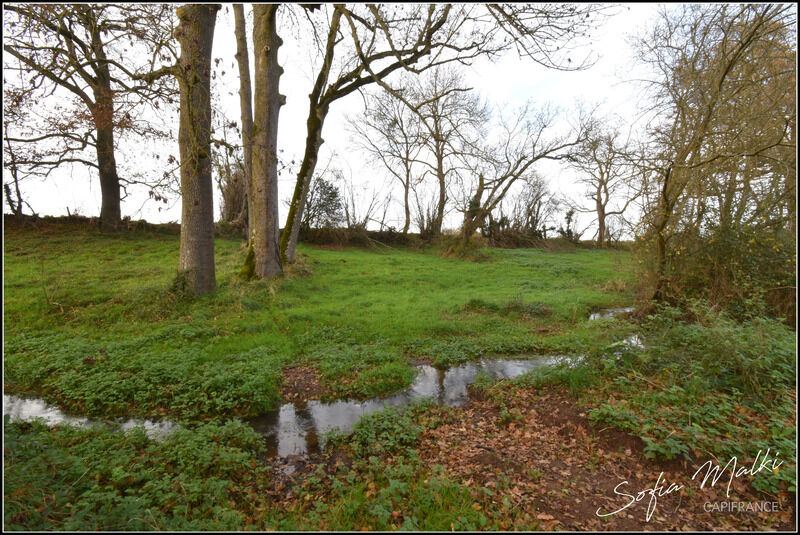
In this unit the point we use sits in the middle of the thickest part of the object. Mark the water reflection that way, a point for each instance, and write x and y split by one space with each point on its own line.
610 312
299 428
19 407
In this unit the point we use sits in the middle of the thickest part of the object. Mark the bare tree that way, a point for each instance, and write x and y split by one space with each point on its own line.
228 165
698 56
195 35
353 197
264 256
524 139
604 167
246 103
82 51
15 110
371 42
390 133
534 207
452 117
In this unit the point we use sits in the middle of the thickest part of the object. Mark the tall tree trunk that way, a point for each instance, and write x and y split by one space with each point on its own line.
265 259
246 103
291 232
601 223
195 35
406 187
662 219
318 109
473 217
103 115
437 222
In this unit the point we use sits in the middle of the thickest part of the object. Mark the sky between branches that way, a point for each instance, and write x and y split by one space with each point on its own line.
508 82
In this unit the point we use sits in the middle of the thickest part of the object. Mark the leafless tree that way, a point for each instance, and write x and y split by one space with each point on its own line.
604 167
390 133
82 51
246 104
355 197
523 139
452 118
706 62
534 207
365 44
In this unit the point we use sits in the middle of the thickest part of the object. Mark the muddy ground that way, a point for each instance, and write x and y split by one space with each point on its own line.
560 472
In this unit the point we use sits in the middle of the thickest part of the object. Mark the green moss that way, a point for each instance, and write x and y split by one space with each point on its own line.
248 270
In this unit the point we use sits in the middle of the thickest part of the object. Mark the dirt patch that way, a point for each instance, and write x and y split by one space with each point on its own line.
421 361
302 383
552 469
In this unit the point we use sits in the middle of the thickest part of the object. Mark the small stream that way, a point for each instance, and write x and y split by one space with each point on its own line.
610 312
23 407
299 428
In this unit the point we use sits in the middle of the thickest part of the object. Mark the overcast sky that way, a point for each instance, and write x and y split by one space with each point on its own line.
510 81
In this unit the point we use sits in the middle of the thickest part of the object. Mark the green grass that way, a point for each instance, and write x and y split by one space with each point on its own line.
91 325
68 478
90 322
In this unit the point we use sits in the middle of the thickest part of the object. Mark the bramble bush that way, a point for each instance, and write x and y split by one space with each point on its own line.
745 270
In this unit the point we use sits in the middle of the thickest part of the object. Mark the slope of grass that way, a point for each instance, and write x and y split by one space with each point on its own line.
90 322
92 325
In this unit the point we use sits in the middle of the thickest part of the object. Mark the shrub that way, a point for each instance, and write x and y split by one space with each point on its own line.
745 270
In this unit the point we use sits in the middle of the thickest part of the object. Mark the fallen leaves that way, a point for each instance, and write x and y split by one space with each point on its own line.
554 470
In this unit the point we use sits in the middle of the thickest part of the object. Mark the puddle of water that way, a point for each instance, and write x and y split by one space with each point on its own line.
26 408
634 341
299 428
610 312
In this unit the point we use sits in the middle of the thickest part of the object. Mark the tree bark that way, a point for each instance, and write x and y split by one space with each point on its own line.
440 175
195 35
246 103
601 221
103 115
473 216
264 232
662 219
291 232
407 208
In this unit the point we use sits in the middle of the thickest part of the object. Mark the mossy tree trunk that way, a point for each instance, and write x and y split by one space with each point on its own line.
474 214
600 208
246 102
110 211
440 176
314 141
264 231
195 34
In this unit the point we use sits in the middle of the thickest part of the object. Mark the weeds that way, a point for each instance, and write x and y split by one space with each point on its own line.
710 386
70 479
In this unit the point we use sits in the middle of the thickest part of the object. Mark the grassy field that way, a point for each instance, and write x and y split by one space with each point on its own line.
94 324
90 322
